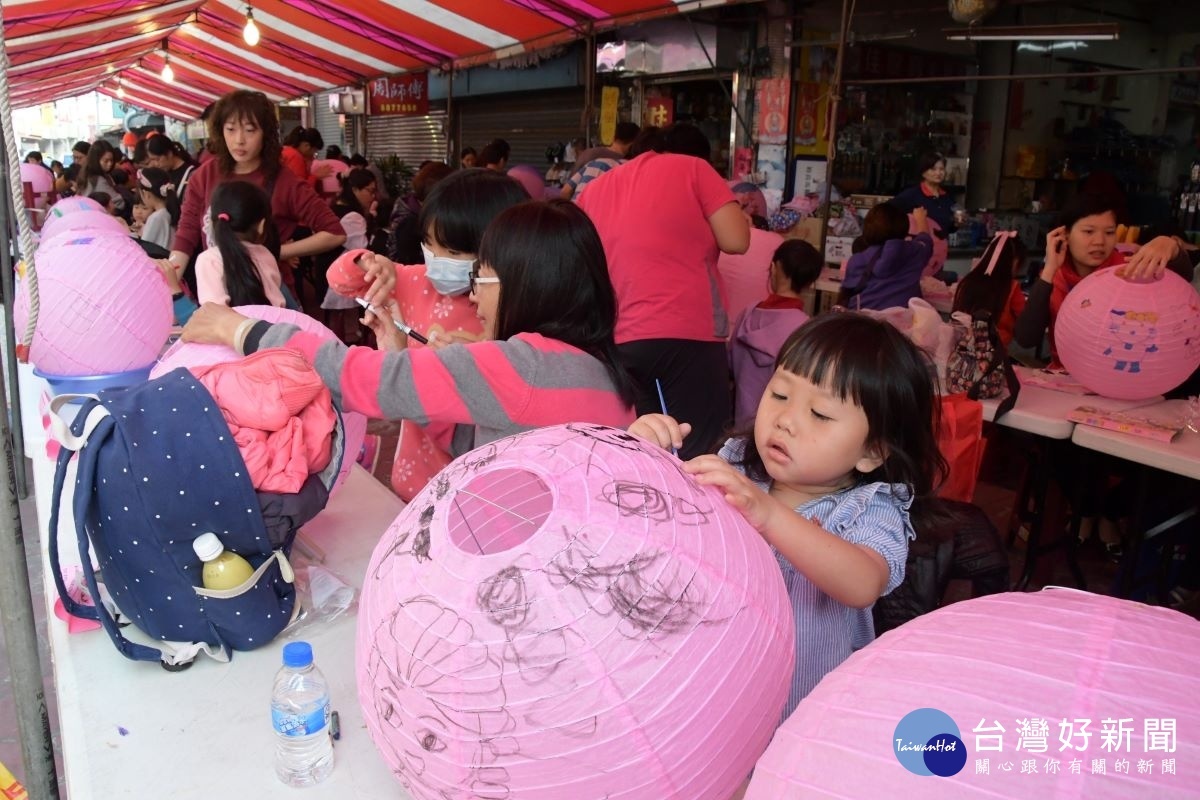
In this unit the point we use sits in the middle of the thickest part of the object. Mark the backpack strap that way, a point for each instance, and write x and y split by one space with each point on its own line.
92 427
1000 362
87 422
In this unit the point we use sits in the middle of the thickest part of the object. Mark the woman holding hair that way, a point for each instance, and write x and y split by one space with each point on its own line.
887 273
156 191
1086 242
244 135
95 175
542 292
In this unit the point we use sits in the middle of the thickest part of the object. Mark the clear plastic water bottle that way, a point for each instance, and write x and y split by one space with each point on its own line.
300 714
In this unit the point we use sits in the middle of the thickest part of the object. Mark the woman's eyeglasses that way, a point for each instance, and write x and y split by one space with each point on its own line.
477 280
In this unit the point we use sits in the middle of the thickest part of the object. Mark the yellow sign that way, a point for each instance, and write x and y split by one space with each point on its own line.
609 95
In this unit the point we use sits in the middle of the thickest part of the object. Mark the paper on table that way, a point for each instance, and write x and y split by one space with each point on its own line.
1056 381
1163 430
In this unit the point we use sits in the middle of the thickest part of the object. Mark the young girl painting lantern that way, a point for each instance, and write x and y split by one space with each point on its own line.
565 613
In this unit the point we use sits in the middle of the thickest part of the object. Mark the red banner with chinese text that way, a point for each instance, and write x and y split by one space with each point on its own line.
406 94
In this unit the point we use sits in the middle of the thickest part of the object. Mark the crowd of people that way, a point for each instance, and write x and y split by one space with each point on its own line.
499 302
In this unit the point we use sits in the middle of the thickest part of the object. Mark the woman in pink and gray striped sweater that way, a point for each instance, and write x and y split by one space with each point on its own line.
541 289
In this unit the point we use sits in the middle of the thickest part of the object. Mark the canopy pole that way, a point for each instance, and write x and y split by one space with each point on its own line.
835 96
16 602
451 122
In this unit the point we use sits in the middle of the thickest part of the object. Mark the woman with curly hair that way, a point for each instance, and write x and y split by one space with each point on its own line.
244 136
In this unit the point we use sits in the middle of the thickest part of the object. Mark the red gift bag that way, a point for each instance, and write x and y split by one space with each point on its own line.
960 438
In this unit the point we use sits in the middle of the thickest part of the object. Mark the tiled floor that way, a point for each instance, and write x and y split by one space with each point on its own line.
995 495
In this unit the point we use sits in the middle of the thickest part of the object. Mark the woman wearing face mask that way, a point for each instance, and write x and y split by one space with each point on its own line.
433 297
542 292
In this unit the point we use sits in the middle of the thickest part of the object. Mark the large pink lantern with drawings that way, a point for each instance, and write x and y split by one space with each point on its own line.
104 306
1129 339
1027 684
566 613
192 354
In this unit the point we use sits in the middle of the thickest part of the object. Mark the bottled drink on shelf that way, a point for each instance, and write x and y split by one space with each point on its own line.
300 714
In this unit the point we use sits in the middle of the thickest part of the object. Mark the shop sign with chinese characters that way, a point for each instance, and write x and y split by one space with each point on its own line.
406 95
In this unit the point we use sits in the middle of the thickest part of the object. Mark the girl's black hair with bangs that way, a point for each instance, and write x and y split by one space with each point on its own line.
462 205
875 366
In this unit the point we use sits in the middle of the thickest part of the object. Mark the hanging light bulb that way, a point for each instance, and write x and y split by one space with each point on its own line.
250 32
120 89
168 74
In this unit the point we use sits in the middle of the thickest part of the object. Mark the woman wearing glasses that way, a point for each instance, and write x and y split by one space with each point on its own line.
432 296
542 294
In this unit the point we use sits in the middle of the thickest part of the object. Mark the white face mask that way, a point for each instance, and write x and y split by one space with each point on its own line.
449 276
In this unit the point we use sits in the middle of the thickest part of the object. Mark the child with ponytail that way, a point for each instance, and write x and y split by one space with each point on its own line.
157 194
238 270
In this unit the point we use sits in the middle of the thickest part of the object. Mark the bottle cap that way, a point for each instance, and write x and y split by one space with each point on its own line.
208 546
297 654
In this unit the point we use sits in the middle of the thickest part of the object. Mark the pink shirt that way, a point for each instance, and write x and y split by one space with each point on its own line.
652 214
746 274
210 275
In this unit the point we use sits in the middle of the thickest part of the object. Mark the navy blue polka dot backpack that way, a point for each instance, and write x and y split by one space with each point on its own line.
157 466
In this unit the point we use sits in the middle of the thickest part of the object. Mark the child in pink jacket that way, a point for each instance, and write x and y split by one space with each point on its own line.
760 331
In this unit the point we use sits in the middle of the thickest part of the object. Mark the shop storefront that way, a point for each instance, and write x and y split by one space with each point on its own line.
1026 113
677 71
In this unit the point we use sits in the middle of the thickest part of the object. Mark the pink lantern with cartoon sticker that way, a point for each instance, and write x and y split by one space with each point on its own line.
104 306
1130 340
566 613
192 354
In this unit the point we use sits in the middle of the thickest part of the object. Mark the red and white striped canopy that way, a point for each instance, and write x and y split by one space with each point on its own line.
60 48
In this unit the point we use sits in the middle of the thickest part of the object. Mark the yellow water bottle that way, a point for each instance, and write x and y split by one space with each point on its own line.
222 569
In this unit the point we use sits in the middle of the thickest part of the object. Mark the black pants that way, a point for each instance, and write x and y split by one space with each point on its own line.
695 384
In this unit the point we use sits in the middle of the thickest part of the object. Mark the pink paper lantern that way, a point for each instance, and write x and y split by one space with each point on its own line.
105 307
191 354
566 613
1129 340
988 663
78 214
330 184
530 179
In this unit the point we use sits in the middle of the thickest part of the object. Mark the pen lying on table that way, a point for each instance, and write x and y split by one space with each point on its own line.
403 328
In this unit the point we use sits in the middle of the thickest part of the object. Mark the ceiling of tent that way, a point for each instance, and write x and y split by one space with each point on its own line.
61 48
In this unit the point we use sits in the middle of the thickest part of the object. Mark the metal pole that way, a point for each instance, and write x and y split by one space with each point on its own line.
1043 76
16 603
451 139
10 348
835 96
589 89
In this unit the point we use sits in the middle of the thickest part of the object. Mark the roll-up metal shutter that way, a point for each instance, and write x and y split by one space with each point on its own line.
530 122
328 122
413 139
